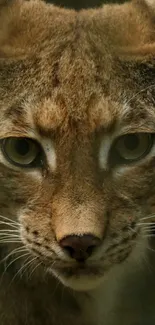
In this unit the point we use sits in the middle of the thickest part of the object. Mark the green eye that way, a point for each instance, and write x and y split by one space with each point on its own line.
132 147
20 151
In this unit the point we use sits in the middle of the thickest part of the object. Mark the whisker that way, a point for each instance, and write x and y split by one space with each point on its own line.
8 229
5 236
15 251
33 270
10 240
148 228
148 217
9 232
9 224
6 241
147 232
145 223
9 237
139 92
148 235
28 264
23 267
150 249
17 258
132 230
10 220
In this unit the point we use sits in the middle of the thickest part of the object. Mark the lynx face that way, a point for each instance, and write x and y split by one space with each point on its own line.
77 143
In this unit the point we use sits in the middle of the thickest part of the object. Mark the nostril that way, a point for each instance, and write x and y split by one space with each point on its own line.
80 247
70 250
90 249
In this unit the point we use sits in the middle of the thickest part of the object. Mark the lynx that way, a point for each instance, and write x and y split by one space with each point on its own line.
77 157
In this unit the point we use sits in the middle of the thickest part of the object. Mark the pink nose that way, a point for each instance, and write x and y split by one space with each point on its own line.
80 247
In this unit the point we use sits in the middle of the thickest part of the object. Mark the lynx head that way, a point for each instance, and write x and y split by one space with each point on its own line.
77 143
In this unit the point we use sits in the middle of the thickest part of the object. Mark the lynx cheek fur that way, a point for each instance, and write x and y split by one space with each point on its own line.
77 157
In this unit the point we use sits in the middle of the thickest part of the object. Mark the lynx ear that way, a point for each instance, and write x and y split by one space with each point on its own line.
9 13
150 3
21 23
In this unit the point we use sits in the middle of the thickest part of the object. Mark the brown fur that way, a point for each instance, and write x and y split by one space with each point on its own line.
74 79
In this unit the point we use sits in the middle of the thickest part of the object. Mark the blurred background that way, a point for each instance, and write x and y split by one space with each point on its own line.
79 4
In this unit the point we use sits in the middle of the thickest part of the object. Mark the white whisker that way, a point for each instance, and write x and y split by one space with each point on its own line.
148 236
17 258
5 241
9 234
139 92
15 251
9 224
147 226
148 217
23 267
9 230
150 249
10 220
33 270
145 223
13 261
5 236
147 232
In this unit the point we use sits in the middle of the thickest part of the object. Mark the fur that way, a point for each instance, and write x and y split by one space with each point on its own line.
75 82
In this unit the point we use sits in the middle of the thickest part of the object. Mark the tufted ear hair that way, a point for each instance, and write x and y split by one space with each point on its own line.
6 15
131 28
146 11
20 25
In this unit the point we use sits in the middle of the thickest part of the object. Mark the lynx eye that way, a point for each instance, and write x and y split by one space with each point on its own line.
20 151
132 147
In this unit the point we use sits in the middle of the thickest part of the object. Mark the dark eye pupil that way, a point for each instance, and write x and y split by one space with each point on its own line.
131 142
22 147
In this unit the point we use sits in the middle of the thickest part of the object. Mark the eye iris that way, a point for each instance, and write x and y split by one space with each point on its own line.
131 142
21 151
22 147
132 147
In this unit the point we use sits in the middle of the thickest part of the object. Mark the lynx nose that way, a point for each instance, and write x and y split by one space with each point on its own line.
80 247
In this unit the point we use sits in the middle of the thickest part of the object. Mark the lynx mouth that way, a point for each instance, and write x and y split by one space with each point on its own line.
79 270
79 278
